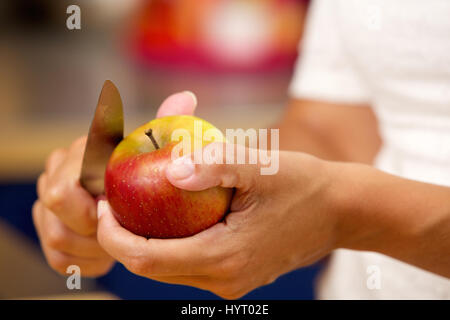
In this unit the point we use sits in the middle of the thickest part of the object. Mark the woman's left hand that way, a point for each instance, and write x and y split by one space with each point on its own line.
277 223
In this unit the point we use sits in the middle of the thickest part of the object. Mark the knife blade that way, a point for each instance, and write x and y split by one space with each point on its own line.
105 133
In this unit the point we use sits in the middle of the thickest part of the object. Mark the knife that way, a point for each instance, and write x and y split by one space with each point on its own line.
105 133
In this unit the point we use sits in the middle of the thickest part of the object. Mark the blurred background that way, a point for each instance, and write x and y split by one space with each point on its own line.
236 55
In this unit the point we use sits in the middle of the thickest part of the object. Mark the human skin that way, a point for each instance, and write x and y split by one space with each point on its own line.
289 220
282 222
65 215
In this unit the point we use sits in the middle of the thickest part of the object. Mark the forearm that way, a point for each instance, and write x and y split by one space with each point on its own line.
295 136
338 132
405 219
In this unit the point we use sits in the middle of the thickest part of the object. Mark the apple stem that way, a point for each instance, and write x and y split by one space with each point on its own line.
152 138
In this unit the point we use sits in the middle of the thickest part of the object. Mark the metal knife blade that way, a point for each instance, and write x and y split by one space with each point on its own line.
105 133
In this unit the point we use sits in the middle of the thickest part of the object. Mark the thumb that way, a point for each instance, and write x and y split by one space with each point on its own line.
189 173
179 103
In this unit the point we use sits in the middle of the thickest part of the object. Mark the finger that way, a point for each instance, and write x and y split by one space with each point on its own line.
65 197
54 160
72 204
37 213
58 236
77 144
60 261
213 171
179 103
187 256
42 185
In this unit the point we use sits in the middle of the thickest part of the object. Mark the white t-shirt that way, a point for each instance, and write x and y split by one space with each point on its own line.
395 55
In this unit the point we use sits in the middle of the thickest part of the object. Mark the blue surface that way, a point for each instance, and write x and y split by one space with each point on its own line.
16 201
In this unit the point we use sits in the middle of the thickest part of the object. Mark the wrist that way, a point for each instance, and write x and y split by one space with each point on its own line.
374 210
347 196
336 197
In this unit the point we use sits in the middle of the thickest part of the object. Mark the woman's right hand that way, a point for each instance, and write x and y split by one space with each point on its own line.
65 215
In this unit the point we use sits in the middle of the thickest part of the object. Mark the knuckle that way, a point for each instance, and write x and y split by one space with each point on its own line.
54 197
53 156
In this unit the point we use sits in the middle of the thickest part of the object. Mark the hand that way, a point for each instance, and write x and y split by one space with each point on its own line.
65 215
277 223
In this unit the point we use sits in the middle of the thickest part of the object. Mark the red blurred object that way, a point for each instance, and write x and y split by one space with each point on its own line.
218 35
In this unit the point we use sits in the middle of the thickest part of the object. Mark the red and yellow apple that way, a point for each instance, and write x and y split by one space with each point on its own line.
143 200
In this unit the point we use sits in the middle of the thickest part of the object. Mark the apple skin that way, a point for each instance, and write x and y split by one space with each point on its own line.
144 201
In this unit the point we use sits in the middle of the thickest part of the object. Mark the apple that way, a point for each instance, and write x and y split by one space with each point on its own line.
143 200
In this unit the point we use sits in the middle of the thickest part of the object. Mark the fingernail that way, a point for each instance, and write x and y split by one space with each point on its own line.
94 210
101 207
181 168
194 97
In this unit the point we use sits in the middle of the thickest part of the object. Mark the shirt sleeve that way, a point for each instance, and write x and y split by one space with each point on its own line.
324 70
